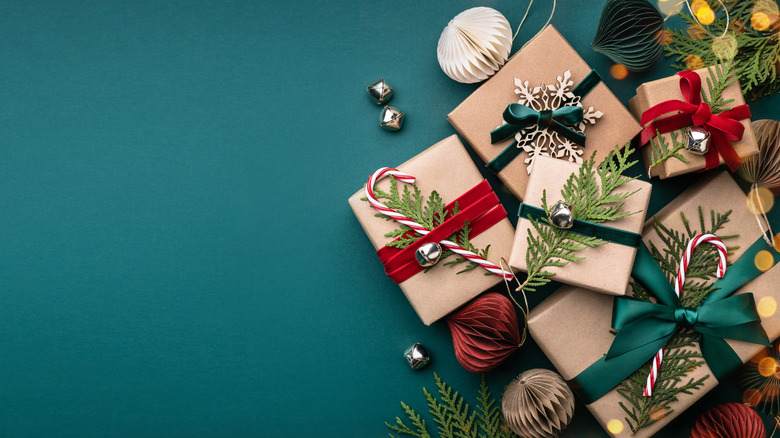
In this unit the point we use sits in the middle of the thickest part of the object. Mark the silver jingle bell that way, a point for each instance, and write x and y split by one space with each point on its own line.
698 140
561 215
380 92
391 119
417 356
428 254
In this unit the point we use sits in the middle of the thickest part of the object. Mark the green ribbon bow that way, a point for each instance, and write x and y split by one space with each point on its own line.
644 328
519 117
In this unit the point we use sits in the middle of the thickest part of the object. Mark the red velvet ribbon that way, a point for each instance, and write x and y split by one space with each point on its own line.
479 206
724 127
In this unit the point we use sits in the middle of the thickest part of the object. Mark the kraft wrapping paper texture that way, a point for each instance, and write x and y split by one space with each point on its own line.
661 90
482 111
550 174
447 168
572 325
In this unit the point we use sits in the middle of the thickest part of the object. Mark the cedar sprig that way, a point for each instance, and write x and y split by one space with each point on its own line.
679 357
661 151
719 78
758 52
550 247
429 213
454 417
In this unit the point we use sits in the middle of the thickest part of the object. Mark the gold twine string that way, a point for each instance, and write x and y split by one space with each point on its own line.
525 299
703 26
523 21
762 219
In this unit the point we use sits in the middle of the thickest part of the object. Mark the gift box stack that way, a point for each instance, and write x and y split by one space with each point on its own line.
556 137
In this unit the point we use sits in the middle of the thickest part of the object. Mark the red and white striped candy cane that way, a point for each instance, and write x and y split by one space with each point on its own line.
678 285
400 218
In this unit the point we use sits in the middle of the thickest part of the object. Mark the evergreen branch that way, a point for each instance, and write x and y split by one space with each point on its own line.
660 150
755 61
454 417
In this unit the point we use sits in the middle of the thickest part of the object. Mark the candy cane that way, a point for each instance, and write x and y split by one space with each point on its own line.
419 229
678 285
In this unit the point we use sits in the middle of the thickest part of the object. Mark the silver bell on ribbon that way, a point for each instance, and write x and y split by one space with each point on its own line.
428 254
561 215
698 140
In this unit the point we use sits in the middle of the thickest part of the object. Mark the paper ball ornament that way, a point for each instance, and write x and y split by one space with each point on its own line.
474 45
761 381
538 404
764 169
484 332
729 420
629 33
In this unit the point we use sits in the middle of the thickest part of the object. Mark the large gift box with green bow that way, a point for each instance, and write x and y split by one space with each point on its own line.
574 326
693 111
545 101
455 203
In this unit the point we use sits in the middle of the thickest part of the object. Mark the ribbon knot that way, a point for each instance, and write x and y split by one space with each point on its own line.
702 114
724 127
545 119
686 317
518 117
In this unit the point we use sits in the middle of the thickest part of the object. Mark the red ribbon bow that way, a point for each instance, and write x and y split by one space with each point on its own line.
724 127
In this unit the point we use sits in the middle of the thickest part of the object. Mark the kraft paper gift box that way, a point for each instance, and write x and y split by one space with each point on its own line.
652 93
545 59
550 174
572 326
446 168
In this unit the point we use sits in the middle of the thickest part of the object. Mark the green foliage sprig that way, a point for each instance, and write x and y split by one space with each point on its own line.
679 356
757 56
429 213
549 246
454 417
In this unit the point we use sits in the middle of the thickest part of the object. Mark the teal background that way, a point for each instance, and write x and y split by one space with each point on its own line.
177 256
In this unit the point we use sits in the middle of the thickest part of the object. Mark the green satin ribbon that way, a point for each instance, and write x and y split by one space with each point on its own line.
644 328
585 228
542 119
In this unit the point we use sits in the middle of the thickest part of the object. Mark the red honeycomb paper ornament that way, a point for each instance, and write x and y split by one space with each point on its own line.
484 332
729 420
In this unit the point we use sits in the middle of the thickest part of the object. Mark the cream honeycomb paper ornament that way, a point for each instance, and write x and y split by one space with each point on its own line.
474 45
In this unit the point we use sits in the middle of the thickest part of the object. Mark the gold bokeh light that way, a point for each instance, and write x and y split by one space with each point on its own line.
615 426
764 260
760 200
618 71
766 307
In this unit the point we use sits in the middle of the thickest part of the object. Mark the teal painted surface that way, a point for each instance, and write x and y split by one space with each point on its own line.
178 258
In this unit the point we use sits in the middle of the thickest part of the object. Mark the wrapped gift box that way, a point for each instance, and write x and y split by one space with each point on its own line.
573 325
446 168
482 111
661 90
550 174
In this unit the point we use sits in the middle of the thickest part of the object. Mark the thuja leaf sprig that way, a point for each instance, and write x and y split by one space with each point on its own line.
661 151
680 357
756 58
591 200
454 417
429 213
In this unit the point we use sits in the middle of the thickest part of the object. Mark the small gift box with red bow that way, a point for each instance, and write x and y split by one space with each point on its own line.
438 227
704 326
539 105
695 120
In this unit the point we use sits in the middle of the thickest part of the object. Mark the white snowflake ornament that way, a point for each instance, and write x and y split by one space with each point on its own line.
546 142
